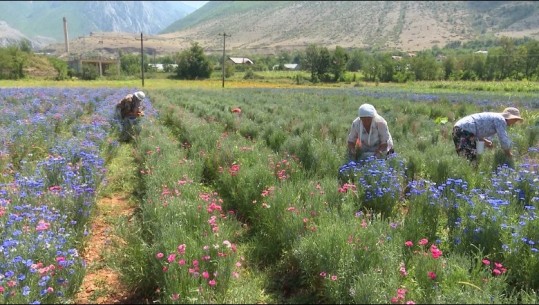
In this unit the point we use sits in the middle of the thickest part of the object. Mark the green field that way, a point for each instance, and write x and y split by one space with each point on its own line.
263 207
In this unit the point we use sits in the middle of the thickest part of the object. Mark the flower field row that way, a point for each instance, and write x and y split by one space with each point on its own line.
318 235
51 159
260 206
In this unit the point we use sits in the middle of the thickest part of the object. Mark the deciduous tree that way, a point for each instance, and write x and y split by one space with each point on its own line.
193 63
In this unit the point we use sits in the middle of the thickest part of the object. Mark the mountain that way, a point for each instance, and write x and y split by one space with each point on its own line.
404 25
10 35
42 20
271 26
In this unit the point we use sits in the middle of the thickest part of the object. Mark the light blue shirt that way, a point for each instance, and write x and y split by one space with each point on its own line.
486 124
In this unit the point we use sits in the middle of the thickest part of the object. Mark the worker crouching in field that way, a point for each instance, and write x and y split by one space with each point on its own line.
479 126
369 135
129 111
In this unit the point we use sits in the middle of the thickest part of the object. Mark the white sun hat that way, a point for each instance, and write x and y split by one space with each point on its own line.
140 95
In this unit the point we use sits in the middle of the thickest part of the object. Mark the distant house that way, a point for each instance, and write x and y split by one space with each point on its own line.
158 67
395 57
163 67
241 60
286 67
481 52
291 66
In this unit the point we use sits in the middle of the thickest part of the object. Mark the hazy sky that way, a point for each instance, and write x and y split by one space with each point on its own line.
195 4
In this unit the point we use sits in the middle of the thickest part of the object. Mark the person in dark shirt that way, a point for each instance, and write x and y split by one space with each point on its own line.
129 111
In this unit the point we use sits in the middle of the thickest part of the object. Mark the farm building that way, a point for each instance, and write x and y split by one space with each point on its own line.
291 66
286 67
241 60
163 67
100 63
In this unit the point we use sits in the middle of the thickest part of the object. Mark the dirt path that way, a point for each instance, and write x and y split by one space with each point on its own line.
101 284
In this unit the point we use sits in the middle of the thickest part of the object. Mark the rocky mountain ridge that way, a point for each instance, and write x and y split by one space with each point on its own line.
42 23
273 26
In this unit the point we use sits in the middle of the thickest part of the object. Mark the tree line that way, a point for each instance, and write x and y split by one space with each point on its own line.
489 60
499 59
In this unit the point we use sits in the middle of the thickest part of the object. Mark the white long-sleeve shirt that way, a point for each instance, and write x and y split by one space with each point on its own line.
379 134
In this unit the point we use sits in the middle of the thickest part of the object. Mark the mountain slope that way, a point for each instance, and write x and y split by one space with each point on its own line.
10 35
271 26
406 25
45 18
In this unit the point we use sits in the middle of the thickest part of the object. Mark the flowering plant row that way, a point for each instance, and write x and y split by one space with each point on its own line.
52 166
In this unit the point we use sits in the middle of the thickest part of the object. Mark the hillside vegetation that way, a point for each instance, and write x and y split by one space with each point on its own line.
270 27
404 25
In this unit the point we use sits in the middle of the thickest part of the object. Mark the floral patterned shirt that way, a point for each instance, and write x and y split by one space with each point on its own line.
379 134
486 124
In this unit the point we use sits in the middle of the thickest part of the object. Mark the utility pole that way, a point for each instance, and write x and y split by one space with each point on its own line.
141 57
224 39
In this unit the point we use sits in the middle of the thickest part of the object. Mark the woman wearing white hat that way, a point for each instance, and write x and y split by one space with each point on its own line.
369 135
129 110
479 126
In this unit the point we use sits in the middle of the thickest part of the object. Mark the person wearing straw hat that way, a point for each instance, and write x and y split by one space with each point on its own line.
129 111
471 129
369 135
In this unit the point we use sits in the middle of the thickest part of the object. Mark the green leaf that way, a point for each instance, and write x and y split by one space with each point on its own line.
441 120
